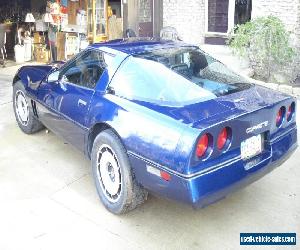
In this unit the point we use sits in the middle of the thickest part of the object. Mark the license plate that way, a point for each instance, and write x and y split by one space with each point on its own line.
251 147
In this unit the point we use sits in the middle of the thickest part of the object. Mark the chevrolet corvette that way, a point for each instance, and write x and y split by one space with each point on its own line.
158 116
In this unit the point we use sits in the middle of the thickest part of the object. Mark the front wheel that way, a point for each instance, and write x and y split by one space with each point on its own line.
25 118
112 173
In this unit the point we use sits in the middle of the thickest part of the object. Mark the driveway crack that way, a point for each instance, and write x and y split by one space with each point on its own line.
68 184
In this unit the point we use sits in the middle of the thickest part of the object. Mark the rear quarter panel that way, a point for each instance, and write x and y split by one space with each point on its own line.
144 132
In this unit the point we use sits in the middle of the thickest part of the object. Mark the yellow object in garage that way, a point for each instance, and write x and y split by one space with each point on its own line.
97 15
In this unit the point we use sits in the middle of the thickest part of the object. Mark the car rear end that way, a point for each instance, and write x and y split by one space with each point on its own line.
235 132
239 146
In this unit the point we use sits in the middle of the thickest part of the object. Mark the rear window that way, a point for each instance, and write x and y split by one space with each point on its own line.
175 77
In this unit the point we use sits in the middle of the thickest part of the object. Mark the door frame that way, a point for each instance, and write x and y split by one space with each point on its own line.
157 17
157 22
231 10
137 16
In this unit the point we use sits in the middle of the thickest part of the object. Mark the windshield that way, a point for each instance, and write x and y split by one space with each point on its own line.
175 77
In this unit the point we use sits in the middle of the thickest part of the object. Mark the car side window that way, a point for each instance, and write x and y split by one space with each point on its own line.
85 70
132 82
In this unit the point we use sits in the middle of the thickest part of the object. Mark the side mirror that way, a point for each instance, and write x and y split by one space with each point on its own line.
53 77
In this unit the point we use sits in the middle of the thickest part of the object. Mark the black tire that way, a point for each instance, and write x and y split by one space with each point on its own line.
32 124
130 194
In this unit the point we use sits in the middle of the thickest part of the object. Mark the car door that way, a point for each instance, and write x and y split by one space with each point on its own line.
67 100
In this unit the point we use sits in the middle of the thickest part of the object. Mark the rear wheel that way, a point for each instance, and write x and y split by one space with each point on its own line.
112 173
25 118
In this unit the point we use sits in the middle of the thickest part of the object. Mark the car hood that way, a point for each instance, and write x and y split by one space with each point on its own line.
32 75
34 72
216 110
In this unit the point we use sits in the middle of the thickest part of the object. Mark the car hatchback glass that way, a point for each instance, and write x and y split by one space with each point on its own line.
199 68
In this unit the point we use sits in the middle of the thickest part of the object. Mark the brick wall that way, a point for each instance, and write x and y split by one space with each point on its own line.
289 13
297 28
188 17
286 10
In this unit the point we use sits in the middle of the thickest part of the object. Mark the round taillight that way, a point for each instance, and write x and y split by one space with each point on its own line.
202 145
290 111
222 138
279 116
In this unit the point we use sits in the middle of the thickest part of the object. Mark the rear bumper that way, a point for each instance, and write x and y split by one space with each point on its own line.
216 184
203 199
208 187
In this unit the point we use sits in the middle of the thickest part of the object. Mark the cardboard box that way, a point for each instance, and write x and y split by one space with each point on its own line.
41 54
38 38
61 39
72 11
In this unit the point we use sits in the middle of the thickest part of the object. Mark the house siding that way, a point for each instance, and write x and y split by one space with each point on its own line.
188 17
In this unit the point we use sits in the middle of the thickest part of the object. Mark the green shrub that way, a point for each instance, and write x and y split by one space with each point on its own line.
265 42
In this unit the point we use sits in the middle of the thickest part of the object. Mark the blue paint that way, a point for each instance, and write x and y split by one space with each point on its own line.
165 137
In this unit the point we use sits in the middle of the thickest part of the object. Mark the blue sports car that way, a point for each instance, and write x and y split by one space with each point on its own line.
158 116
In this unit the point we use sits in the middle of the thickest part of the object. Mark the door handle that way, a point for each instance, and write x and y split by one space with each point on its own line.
81 102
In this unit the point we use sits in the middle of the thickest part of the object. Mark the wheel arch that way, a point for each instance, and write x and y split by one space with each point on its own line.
16 79
97 129
19 76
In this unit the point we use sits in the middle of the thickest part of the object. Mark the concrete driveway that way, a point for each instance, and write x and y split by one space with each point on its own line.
48 201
